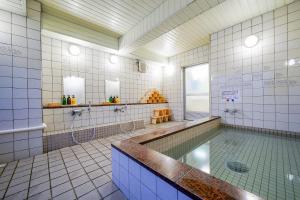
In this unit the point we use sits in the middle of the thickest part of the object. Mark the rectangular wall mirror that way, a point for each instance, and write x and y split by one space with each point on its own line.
75 86
112 89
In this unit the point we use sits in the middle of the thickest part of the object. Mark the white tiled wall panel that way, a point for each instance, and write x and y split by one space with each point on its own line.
172 81
95 67
267 75
60 120
20 83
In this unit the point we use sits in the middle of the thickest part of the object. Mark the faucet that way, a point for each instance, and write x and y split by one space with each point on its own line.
77 112
120 109
226 110
232 111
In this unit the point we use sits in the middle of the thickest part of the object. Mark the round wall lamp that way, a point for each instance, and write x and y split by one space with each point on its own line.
74 50
113 59
251 41
292 62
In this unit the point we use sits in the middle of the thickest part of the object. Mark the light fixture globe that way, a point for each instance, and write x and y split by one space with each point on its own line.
251 41
113 59
74 50
291 62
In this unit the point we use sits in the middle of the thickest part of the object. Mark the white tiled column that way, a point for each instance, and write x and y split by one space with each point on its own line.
20 83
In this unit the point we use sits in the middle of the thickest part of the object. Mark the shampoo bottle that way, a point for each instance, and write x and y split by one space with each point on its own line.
69 100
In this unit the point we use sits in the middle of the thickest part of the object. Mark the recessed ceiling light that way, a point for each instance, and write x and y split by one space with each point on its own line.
113 59
251 41
74 50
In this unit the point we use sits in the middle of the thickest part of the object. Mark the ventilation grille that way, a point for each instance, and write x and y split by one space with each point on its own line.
142 67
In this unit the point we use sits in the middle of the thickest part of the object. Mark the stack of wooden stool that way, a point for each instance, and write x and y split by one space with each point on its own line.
153 96
161 115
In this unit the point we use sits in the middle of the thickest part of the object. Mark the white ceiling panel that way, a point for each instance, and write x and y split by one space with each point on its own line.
196 31
115 15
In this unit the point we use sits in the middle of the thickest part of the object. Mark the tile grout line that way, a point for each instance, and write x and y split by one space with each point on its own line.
28 189
73 188
49 175
11 179
87 173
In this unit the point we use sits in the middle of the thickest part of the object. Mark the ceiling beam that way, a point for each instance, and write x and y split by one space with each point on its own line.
62 26
163 19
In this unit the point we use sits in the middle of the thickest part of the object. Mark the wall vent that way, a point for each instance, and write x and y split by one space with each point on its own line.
142 66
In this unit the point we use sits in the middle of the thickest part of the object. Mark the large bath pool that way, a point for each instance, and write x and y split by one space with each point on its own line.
263 164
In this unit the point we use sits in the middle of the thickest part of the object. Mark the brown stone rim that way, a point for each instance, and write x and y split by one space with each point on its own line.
190 181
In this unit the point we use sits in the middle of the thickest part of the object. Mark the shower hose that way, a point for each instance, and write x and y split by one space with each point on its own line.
133 125
92 121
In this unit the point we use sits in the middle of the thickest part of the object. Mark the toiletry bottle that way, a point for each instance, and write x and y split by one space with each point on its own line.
64 100
118 100
73 100
114 100
110 99
69 100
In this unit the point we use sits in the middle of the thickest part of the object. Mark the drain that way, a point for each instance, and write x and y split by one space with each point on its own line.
237 167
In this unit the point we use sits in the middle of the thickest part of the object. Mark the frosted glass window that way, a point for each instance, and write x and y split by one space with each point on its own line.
75 86
197 90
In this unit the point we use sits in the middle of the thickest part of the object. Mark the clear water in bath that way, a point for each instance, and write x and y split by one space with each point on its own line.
266 165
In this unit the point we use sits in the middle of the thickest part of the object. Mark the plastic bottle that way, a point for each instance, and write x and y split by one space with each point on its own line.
69 101
73 100
64 100
110 99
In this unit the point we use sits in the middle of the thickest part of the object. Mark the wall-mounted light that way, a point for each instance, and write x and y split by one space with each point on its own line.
292 62
74 50
113 59
169 70
251 41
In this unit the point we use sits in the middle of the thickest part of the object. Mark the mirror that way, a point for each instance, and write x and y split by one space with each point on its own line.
75 86
112 89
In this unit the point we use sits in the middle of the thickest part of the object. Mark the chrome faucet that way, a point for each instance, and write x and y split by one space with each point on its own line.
77 112
231 111
120 109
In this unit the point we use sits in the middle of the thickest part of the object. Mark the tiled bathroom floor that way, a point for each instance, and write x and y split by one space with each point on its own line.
77 172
